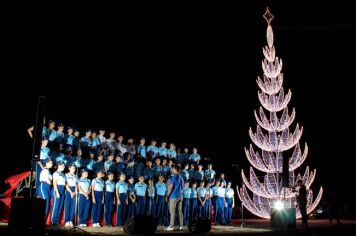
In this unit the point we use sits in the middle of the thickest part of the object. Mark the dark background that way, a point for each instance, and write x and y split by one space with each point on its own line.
186 74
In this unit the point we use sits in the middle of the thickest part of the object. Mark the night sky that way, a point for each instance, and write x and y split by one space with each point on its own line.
186 75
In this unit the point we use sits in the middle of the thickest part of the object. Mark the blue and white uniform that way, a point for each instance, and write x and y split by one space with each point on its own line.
131 205
202 194
122 188
186 205
171 153
194 157
141 150
69 203
152 149
210 173
45 188
44 155
185 175
98 187
162 151
229 194
161 191
109 201
84 202
140 189
219 216
194 210
60 179
151 206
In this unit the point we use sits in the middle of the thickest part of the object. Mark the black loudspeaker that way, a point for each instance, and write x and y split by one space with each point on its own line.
285 173
200 225
283 218
27 215
146 225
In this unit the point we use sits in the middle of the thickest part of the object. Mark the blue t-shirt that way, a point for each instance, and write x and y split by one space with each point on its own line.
178 185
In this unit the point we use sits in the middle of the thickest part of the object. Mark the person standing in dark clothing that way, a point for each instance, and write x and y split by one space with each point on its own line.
334 205
302 201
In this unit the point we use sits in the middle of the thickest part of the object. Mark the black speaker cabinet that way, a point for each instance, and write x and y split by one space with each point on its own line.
200 225
283 218
27 215
141 224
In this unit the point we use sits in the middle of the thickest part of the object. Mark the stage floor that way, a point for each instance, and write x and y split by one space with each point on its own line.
251 227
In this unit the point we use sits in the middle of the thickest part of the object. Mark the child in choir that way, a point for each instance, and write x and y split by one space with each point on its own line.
41 164
201 199
230 202
130 171
109 198
210 173
109 162
194 157
141 149
157 168
140 191
122 199
84 201
99 164
219 216
191 172
185 173
60 135
153 149
45 183
70 196
208 202
151 206
161 190
148 172
59 184
193 202
163 151
171 153
97 194
199 174
186 203
165 168
69 137
132 198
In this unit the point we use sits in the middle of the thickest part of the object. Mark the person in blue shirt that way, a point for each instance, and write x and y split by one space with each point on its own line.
141 149
132 198
170 166
40 165
185 173
222 178
165 168
220 203
122 200
95 143
191 172
102 139
70 196
78 160
45 183
76 141
208 202
194 157
175 196
150 205
109 162
201 191
157 168
120 165
148 172
84 200
111 142
131 147
69 137
184 157
121 147
152 149
51 134
161 190
58 156
85 143
193 202
162 150
109 198
199 174
89 164
171 152
230 203
130 171
59 183
97 194
59 139
138 167
99 164
210 173
186 203
140 192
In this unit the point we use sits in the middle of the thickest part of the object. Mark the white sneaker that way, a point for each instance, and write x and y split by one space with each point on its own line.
67 224
94 225
181 228
170 228
84 225
98 225
71 223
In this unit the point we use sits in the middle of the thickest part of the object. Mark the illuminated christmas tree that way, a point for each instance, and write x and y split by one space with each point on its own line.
274 138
